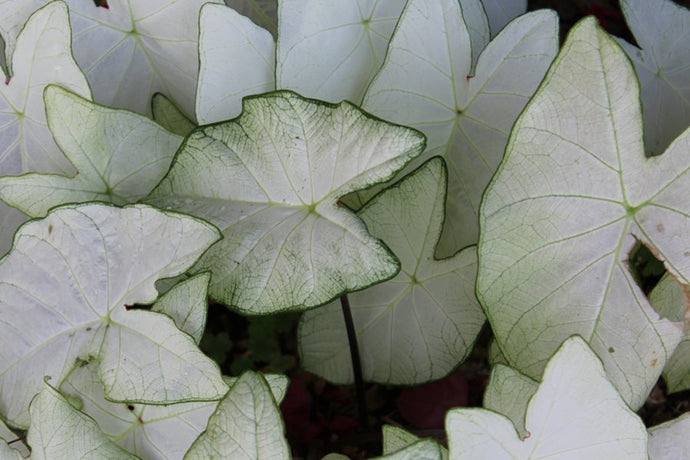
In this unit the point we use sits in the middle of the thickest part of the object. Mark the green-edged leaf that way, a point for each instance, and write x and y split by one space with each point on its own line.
662 30
331 50
670 440
570 199
575 413
237 58
246 424
270 180
17 450
508 393
14 15
133 49
418 326
396 439
169 116
186 304
466 118
501 12
119 155
264 13
65 293
43 56
669 300
58 430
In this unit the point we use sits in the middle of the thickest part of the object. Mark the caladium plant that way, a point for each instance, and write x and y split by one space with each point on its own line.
77 296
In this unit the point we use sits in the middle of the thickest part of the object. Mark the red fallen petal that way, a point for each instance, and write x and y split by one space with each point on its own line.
425 406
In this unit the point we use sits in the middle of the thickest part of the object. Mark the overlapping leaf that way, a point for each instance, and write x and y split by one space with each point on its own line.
418 326
427 82
501 12
237 58
662 29
398 443
120 156
568 203
246 425
65 293
575 413
508 393
270 180
169 116
331 50
14 15
669 440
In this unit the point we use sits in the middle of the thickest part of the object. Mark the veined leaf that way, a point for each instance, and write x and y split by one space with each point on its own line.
169 116
662 30
508 393
186 304
271 180
575 413
396 439
246 424
418 326
58 430
427 82
237 58
66 288
573 195
119 155
331 50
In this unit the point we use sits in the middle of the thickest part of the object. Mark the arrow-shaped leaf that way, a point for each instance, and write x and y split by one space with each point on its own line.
271 180
568 203
418 326
66 289
119 155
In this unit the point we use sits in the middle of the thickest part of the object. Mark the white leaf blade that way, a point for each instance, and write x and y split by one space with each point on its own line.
186 304
75 291
246 424
331 50
394 320
120 156
509 393
58 430
575 413
237 58
466 118
587 205
291 159
263 13
669 440
14 15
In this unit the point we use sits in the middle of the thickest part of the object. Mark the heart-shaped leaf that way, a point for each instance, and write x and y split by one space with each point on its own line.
662 29
567 205
237 58
331 50
169 116
263 13
58 430
119 155
575 413
466 118
418 326
508 393
246 424
66 288
271 180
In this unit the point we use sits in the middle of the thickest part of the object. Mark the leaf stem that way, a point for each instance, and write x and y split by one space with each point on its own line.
356 364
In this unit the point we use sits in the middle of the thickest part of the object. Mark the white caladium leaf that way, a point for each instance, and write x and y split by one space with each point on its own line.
501 12
246 424
58 430
670 440
169 116
575 413
477 24
331 50
237 58
186 304
662 30
418 326
508 393
425 449
17 449
14 15
396 439
264 13
564 210
287 242
132 49
43 56
119 155
83 267
466 118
